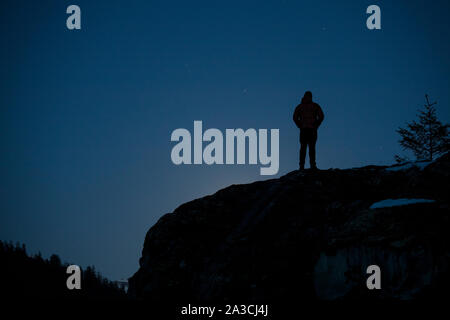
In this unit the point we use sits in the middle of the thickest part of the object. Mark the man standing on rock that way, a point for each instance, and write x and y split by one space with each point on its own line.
308 116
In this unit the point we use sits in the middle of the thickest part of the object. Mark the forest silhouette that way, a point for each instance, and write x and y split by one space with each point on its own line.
34 277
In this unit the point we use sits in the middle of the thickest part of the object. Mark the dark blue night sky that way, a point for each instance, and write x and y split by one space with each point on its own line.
86 116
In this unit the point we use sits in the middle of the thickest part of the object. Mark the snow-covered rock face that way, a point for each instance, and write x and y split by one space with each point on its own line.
305 236
404 273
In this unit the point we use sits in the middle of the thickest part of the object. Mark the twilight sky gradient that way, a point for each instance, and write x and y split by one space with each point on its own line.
86 116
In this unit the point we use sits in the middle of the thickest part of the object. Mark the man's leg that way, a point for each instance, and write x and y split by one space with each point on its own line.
312 149
303 145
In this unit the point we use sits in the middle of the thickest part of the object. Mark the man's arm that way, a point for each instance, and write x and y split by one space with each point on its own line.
296 116
320 116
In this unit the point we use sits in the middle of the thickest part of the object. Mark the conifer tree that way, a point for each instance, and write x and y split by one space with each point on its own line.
427 137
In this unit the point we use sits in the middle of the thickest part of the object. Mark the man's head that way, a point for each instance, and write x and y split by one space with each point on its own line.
307 97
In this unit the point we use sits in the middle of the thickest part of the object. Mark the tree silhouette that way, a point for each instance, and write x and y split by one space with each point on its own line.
55 260
426 138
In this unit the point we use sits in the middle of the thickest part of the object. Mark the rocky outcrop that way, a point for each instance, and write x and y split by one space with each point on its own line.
308 235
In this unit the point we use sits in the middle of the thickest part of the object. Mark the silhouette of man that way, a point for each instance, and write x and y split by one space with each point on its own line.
308 116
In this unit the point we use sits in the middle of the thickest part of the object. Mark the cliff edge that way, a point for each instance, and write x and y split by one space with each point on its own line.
306 235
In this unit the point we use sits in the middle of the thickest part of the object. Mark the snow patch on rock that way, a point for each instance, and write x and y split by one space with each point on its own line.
408 165
397 202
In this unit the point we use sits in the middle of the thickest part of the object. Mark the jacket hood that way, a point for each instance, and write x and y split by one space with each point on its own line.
306 99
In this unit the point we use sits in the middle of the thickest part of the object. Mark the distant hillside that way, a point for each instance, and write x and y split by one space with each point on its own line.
306 236
25 277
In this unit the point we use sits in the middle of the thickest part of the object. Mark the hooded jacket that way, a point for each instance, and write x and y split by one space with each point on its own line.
308 114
